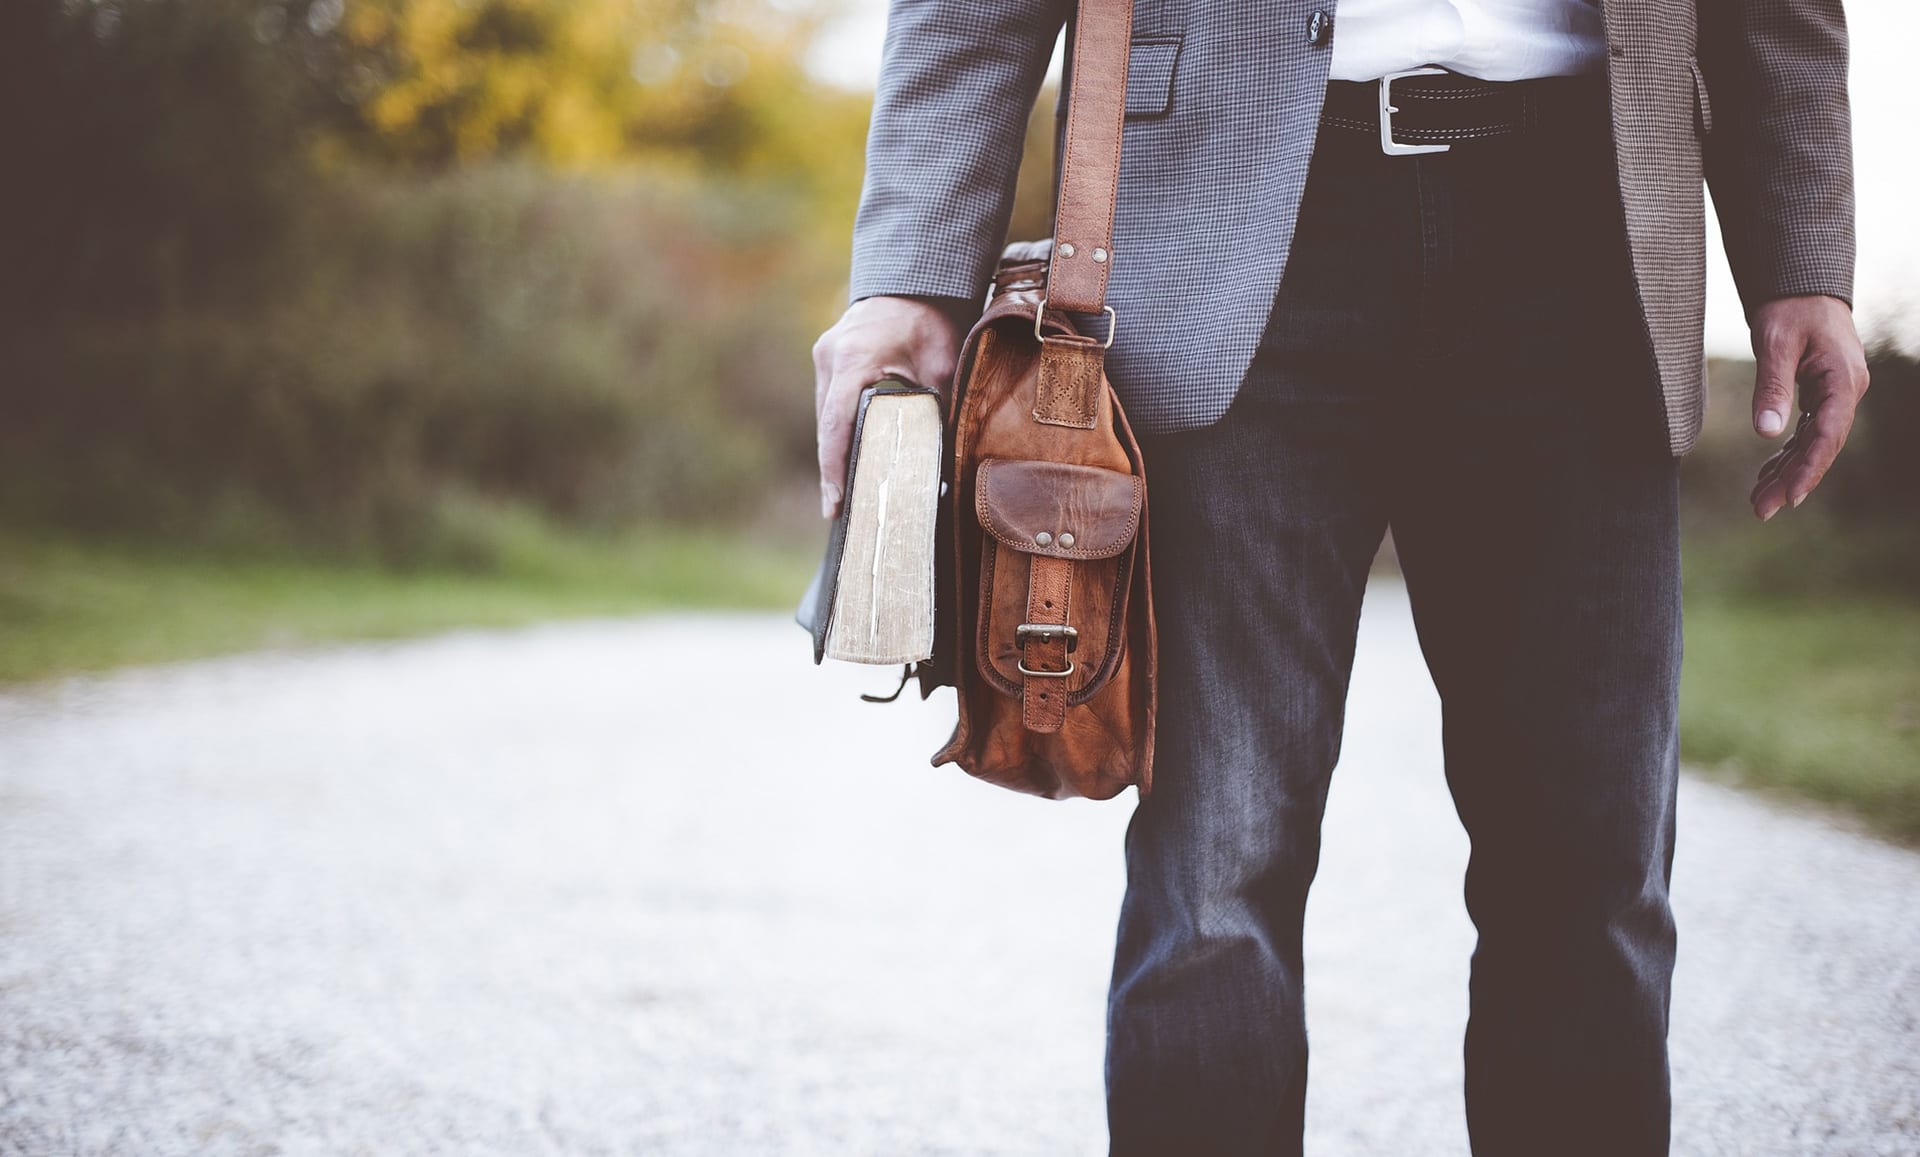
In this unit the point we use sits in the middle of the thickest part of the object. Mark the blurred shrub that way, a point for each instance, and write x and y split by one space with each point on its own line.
356 273
1881 481
602 350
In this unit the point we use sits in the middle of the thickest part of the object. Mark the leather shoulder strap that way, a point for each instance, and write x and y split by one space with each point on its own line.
1090 156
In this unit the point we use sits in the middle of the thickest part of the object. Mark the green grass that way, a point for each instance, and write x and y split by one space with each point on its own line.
1817 700
70 604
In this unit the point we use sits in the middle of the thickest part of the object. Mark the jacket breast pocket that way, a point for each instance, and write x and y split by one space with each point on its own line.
1150 65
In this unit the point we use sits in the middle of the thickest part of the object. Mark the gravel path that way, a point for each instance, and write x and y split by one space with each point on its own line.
661 887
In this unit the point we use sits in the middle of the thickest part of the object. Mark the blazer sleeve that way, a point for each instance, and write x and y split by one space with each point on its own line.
1779 154
958 79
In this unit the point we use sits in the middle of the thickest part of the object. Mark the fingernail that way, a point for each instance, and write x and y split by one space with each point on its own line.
1772 421
829 496
1798 499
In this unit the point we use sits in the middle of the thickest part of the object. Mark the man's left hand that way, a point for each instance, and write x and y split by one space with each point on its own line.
1809 342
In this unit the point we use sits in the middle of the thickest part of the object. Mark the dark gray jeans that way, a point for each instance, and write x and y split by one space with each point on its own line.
1454 354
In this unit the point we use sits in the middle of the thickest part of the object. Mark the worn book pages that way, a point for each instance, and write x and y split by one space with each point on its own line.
883 604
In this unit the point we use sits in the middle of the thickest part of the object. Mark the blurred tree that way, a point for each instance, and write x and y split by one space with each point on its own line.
148 145
314 258
158 147
585 82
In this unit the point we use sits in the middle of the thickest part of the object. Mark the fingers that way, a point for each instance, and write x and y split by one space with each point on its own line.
834 427
1769 492
837 402
836 432
1791 474
878 337
1821 444
836 408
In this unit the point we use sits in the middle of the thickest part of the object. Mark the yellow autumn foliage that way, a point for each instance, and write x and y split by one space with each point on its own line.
583 83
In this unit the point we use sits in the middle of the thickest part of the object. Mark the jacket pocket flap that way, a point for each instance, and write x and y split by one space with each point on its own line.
1150 75
1084 511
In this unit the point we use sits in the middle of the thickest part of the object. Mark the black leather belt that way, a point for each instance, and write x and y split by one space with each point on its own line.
1428 110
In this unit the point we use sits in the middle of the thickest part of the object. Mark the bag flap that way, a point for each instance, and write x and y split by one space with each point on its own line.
1084 511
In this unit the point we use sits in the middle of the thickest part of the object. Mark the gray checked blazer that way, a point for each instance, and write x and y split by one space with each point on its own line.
1223 102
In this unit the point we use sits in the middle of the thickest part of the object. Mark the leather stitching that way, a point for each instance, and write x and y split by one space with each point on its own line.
1116 640
1113 186
983 649
1415 135
1118 23
1066 391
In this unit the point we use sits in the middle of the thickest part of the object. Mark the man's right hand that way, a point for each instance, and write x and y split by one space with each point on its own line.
915 339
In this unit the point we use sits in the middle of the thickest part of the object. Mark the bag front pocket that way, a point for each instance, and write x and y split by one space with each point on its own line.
1056 563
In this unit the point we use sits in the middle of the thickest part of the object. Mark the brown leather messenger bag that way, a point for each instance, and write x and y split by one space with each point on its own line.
1044 613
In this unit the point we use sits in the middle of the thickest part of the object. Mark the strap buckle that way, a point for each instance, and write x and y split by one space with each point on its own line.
1388 145
1047 632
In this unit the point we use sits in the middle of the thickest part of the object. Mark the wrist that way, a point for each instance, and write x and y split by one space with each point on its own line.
955 313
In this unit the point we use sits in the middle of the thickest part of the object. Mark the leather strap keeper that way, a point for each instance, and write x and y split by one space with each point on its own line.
1068 390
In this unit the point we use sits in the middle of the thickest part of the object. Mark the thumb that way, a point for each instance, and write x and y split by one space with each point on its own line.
1776 367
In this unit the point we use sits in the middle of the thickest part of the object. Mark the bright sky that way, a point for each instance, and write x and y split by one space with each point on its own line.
1886 159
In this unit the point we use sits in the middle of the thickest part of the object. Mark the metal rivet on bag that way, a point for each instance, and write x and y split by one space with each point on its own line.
1066 249
1100 255
1043 538
1066 538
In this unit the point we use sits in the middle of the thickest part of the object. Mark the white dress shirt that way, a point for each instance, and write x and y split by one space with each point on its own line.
1490 39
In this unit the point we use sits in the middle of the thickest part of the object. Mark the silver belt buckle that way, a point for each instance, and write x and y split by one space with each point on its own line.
1388 145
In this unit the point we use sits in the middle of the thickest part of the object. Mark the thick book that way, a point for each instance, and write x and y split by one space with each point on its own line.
871 601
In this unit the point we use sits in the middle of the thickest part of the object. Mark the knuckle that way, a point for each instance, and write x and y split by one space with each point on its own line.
846 385
1818 362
